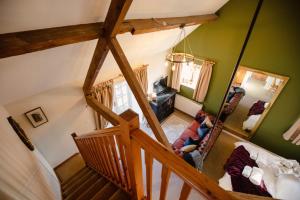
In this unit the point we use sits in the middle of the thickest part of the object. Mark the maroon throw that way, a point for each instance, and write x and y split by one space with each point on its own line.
235 164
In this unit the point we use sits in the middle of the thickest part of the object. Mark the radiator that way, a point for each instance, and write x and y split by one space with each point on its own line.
186 105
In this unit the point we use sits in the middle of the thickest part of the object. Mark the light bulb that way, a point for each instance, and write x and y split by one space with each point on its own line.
184 59
173 67
166 63
192 63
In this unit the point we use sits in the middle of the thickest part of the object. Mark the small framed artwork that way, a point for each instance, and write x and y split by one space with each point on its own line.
36 117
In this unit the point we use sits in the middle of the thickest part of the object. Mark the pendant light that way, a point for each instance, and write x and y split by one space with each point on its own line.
185 57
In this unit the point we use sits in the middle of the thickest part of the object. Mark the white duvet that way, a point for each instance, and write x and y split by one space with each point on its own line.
283 186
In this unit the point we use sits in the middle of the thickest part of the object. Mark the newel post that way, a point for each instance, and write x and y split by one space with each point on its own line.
133 151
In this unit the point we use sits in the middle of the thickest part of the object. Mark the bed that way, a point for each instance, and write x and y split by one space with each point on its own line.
278 184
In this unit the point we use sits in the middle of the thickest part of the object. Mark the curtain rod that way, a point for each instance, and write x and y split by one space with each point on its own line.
201 59
121 75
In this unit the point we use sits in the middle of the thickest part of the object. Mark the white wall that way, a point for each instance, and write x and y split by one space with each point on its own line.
24 174
66 110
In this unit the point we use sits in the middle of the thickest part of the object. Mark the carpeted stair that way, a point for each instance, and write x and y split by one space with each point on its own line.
87 184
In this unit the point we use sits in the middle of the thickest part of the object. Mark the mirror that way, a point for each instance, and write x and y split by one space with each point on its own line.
252 94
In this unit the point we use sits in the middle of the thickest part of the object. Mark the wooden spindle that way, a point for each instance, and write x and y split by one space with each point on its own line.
116 160
165 177
149 168
138 171
185 191
102 157
124 162
111 158
106 158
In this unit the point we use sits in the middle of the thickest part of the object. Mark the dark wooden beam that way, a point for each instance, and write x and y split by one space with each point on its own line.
136 89
140 26
116 13
13 44
99 56
115 16
113 118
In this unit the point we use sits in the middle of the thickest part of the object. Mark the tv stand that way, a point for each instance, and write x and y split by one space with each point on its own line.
164 104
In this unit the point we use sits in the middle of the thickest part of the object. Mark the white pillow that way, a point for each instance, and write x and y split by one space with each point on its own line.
208 123
188 148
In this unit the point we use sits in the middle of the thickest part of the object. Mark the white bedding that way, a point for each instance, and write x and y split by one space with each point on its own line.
284 186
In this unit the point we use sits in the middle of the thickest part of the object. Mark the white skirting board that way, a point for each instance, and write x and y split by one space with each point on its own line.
186 105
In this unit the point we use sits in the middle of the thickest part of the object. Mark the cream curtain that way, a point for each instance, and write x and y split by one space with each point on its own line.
203 81
176 75
103 92
142 77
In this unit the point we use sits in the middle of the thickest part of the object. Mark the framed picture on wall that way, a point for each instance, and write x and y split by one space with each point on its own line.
36 117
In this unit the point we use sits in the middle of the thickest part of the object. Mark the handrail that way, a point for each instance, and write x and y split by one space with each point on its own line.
172 162
102 132
105 153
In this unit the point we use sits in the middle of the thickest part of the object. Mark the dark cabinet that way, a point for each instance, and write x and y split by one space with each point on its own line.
164 104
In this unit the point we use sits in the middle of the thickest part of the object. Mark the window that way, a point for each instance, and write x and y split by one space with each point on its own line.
122 98
189 75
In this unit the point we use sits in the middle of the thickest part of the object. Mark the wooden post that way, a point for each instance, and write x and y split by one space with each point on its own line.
138 92
132 153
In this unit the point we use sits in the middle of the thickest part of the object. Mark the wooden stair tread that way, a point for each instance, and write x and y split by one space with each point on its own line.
78 182
120 195
93 189
75 176
106 192
81 187
79 177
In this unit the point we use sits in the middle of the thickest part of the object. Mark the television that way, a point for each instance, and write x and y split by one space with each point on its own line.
160 85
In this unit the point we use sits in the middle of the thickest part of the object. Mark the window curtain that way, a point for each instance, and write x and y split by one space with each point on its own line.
203 81
103 92
293 134
142 77
176 75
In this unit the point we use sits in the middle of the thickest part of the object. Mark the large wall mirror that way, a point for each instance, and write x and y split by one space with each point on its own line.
251 95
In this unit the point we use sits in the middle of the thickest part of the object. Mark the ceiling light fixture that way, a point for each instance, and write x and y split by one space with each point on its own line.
185 57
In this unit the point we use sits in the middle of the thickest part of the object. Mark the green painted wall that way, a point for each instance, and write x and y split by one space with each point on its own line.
274 46
221 41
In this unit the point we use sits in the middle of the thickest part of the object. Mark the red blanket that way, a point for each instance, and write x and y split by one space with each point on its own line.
235 164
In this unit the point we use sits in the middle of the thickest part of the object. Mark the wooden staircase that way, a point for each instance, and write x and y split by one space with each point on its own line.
87 184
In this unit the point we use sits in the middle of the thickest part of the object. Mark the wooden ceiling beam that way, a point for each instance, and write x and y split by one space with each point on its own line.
13 44
116 13
137 91
140 26
115 16
99 56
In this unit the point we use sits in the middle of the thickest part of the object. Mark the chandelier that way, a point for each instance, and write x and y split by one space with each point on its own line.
185 57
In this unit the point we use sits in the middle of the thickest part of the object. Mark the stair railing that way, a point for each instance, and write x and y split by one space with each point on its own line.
116 153
104 152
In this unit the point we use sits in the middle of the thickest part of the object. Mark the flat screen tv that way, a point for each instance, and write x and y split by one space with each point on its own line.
160 85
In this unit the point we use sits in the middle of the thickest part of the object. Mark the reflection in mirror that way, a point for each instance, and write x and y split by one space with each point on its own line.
251 96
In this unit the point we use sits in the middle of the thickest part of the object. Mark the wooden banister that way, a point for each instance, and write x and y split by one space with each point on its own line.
102 132
171 162
109 115
116 153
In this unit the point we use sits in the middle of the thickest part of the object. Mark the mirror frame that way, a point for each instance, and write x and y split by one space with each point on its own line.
273 99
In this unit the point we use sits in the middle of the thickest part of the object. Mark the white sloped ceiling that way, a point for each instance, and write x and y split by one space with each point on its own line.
29 74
